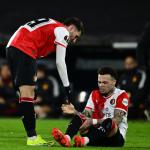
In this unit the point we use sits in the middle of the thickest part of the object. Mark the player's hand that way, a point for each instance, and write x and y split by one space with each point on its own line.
68 109
87 123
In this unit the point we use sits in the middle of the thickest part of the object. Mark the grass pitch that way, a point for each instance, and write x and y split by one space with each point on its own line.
12 135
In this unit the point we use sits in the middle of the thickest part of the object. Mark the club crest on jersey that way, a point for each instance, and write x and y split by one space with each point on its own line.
112 101
125 102
66 38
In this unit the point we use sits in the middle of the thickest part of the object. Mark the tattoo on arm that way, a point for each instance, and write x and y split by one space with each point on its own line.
118 115
87 113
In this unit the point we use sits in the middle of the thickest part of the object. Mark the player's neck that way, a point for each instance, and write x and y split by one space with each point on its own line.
109 94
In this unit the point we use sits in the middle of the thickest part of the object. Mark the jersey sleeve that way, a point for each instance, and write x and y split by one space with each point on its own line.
62 36
122 102
90 104
61 64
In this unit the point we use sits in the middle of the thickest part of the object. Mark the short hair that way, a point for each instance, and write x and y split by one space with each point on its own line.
108 70
75 21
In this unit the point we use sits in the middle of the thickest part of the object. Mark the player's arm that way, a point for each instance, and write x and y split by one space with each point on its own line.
85 115
121 108
61 44
69 109
118 116
119 112
62 69
111 125
87 112
61 64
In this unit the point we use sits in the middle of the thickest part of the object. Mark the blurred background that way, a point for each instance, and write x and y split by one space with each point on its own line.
113 31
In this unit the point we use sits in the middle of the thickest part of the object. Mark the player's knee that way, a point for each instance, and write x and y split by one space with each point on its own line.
110 126
113 130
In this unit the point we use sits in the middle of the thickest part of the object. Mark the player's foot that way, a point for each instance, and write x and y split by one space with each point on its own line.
78 141
38 141
60 137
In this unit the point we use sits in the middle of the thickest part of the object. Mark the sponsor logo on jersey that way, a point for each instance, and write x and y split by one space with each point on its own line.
107 109
66 38
125 102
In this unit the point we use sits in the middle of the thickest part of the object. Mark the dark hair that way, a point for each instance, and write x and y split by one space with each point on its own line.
75 21
108 70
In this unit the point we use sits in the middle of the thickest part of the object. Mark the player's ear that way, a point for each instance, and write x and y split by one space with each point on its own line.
70 28
114 82
73 27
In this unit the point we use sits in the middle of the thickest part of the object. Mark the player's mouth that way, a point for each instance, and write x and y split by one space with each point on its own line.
102 90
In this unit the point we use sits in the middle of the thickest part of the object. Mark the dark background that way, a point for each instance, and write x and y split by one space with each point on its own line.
105 22
101 17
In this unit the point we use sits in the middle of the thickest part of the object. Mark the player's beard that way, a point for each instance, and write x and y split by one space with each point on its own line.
110 92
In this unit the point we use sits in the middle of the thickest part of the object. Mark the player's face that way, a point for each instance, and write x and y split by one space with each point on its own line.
106 83
130 63
74 33
5 72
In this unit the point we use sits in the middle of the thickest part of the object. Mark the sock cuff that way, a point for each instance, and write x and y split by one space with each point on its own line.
85 140
68 137
26 99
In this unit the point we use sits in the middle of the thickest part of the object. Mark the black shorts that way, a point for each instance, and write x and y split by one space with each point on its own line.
22 66
97 139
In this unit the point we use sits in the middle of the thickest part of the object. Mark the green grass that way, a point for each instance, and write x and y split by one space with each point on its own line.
12 135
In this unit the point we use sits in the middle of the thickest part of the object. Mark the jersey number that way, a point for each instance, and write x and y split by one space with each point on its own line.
38 23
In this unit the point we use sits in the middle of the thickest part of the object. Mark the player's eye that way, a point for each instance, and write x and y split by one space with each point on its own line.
105 82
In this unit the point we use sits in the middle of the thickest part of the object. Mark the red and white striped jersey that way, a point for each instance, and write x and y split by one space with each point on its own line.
104 107
39 37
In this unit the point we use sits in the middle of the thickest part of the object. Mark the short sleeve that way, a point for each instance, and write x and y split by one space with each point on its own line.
90 104
62 36
122 102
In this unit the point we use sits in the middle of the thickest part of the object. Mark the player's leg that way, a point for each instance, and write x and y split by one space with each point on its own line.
92 138
26 103
23 69
73 128
116 140
95 136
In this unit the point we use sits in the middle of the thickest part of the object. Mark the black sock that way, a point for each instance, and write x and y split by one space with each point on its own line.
28 118
74 126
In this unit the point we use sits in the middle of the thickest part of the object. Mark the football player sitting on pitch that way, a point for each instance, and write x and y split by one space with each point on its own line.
104 119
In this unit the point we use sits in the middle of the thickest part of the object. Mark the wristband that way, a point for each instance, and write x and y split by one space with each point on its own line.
94 121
